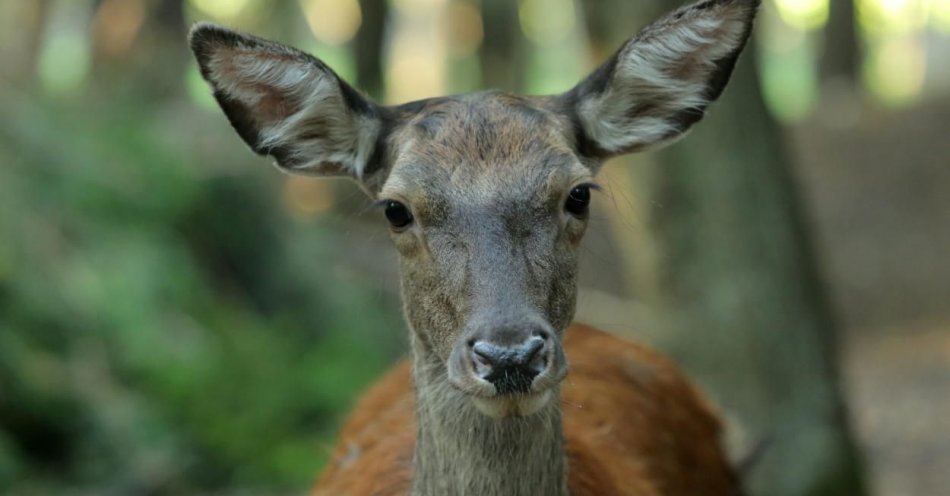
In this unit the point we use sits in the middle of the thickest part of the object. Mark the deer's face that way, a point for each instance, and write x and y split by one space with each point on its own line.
486 193
487 201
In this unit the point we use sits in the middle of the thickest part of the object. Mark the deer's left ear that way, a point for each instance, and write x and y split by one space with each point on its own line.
661 81
288 104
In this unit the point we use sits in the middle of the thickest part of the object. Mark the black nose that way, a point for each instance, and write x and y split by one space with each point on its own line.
510 368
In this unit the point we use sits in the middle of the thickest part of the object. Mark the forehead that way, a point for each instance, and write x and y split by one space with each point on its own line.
482 146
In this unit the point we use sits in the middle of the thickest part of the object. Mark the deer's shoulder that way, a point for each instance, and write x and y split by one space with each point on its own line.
631 417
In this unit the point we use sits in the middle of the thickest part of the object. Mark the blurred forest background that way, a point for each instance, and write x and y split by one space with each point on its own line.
176 317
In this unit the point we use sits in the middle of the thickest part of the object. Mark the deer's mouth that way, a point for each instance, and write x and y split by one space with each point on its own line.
512 405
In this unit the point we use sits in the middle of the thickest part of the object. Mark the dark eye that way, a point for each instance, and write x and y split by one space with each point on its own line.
578 201
397 214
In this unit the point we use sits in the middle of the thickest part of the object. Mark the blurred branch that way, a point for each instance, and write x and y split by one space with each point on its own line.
35 28
503 52
605 31
368 46
842 54
170 16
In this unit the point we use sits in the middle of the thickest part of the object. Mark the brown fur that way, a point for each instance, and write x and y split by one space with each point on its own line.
633 424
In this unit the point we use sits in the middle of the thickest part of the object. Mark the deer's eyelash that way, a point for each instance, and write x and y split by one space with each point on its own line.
591 185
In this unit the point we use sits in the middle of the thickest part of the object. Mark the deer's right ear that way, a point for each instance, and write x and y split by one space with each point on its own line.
288 104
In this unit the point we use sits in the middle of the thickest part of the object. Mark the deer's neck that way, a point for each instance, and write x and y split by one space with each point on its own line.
460 451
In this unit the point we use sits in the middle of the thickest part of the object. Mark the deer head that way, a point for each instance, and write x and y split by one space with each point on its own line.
487 194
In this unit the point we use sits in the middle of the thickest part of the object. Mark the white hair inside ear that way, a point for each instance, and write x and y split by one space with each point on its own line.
287 104
661 81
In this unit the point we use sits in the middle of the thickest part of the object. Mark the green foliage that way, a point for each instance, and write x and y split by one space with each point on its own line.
164 328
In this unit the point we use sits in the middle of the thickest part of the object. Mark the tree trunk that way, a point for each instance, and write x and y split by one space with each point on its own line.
840 68
722 258
842 55
368 47
35 22
738 297
502 53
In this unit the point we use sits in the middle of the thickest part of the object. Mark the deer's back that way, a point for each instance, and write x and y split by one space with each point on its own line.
633 425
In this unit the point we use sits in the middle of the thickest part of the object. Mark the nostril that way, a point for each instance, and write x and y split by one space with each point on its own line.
510 368
483 358
481 353
536 357
532 348
484 351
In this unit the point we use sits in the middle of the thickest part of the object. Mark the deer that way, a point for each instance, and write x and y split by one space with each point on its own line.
487 198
